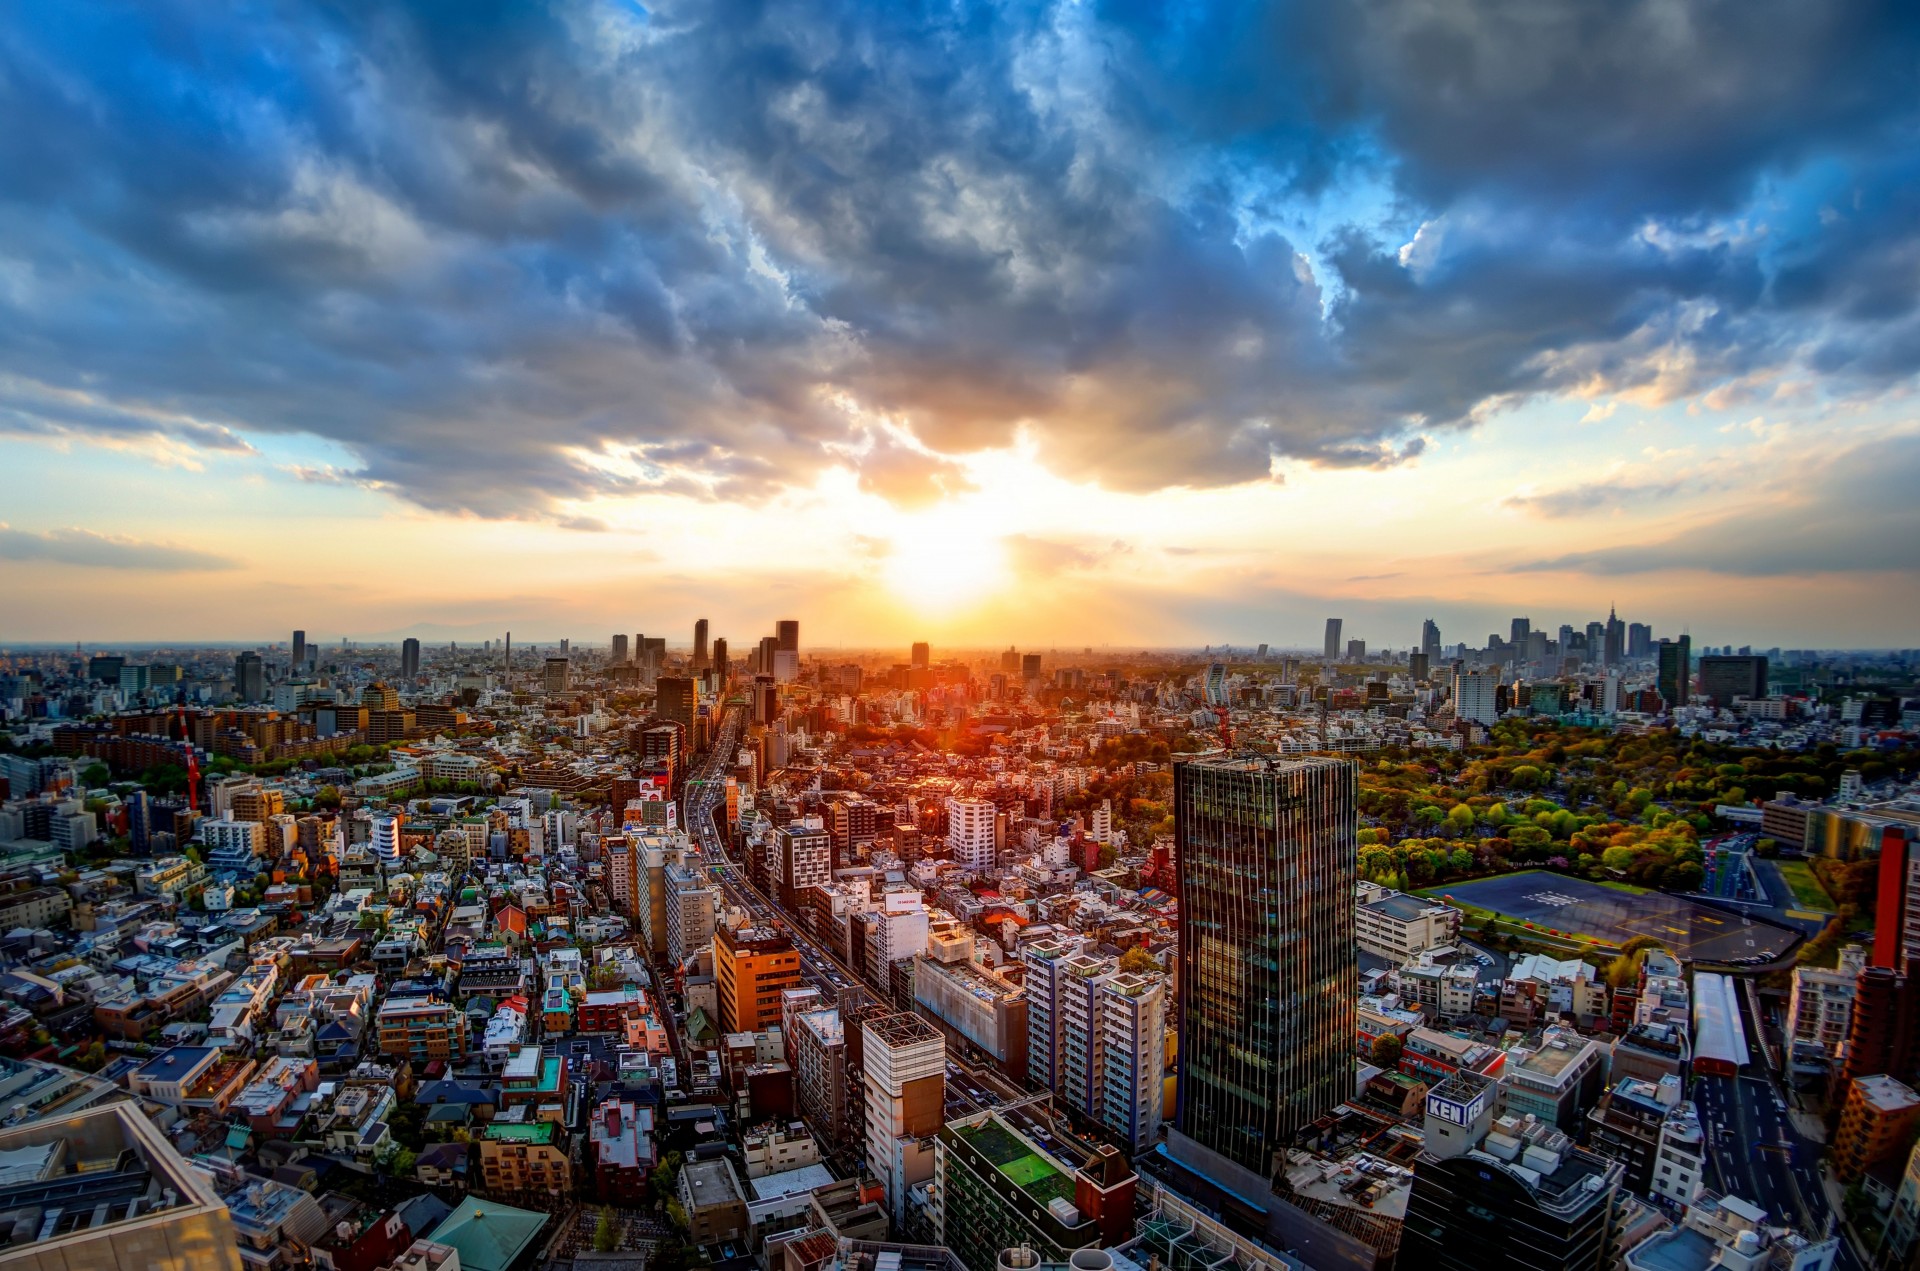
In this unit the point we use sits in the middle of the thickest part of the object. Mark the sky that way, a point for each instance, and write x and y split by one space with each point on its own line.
1129 323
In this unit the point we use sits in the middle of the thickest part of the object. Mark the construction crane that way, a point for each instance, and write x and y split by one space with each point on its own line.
193 762
1226 727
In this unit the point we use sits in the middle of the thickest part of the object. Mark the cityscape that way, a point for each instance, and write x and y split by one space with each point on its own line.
1005 635
1562 950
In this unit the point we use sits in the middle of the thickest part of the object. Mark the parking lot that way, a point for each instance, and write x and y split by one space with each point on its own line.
1574 906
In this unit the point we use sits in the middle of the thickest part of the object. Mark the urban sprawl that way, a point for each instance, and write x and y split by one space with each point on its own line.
1574 948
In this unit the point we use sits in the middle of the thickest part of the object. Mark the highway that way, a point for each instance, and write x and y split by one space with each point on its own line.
1756 1152
970 1087
707 789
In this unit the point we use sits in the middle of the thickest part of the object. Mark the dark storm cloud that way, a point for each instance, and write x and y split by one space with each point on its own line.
511 255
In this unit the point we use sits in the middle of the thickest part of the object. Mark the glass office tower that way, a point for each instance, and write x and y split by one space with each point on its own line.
1269 975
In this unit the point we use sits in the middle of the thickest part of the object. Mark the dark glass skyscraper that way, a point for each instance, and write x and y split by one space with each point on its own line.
1269 974
409 658
1674 680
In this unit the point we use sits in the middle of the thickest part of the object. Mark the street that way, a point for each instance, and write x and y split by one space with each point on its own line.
1755 1151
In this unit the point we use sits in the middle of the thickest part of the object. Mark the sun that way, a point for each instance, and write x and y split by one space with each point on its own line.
939 562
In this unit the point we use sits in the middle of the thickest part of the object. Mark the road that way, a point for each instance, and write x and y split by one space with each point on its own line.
707 788
1755 1151
970 1086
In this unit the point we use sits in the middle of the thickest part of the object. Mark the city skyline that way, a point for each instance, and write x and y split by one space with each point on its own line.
1162 335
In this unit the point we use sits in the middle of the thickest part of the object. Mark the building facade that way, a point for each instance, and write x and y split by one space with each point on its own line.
1268 958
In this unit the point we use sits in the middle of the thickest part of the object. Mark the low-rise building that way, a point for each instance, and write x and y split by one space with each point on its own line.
714 1201
620 1139
421 1029
1400 927
1628 1123
1726 1233
522 1158
1556 1080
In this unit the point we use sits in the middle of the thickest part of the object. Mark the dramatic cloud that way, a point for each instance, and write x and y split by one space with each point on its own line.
515 258
1857 515
85 548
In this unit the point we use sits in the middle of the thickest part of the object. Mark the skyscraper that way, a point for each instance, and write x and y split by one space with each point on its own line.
1430 639
1674 680
1332 652
675 701
250 677
1616 647
1522 628
1727 677
618 653
720 666
786 635
1596 642
409 658
299 650
555 678
699 645
1639 640
1269 974
922 655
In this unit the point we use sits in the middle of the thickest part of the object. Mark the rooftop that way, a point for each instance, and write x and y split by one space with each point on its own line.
520 1132
488 1235
1885 1094
1016 1158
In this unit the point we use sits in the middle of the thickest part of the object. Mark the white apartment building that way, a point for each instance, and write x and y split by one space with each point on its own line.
1096 1037
233 836
970 833
1133 1033
803 854
385 840
692 910
896 932
1820 1010
1474 696
1680 1163
1046 963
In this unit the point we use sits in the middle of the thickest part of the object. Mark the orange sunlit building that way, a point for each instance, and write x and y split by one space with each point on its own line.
750 967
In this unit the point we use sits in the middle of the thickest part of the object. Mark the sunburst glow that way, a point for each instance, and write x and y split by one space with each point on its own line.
944 561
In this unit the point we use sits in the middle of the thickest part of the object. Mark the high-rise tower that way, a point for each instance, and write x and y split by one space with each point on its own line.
1674 680
409 658
1269 970
699 645
1333 639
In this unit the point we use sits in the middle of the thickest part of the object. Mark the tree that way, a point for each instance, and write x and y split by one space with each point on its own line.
676 1215
1138 961
606 1233
1387 1050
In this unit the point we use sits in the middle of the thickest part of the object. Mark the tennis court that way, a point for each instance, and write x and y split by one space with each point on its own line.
1573 906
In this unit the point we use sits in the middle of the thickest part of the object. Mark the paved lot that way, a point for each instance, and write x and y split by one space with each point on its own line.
1575 906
